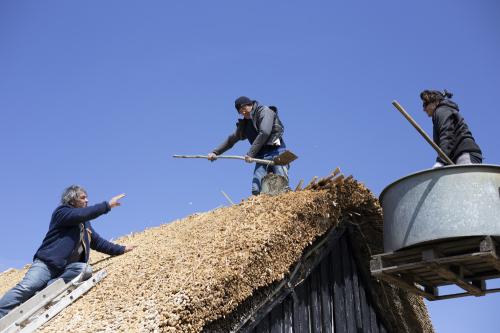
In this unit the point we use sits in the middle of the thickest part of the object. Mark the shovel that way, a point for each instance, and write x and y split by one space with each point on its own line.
282 159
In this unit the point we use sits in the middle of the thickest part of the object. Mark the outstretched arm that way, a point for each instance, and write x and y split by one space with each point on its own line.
68 216
102 245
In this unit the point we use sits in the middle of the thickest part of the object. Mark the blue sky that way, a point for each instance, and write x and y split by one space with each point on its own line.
103 93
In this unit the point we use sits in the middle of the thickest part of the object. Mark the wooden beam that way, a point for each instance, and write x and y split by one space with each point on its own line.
488 245
403 285
311 183
454 274
299 185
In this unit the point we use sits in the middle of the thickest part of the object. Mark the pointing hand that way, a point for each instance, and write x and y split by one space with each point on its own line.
114 200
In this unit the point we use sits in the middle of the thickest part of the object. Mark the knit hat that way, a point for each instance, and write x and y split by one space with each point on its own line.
242 100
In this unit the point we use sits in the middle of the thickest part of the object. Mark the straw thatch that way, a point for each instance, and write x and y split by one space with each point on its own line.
186 274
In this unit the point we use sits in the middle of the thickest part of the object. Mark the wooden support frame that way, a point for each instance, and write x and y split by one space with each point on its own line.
466 263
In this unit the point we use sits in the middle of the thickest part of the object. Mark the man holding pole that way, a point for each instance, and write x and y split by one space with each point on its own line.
450 132
264 130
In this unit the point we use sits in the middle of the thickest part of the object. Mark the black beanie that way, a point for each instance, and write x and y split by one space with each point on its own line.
242 100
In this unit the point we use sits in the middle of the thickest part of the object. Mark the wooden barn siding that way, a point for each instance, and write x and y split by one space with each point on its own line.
331 299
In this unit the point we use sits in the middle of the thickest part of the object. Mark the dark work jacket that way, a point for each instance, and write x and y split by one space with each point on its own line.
262 129
451 133
63 237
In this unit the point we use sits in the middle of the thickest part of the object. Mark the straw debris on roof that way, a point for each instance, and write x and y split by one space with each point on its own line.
188 273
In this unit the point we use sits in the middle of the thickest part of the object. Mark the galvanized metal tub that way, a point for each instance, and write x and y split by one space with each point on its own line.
441 203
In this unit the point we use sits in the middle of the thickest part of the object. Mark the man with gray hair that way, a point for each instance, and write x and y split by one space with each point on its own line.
65 250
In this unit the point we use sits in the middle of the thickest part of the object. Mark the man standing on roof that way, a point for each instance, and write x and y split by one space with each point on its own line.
450 132
264 130
65 250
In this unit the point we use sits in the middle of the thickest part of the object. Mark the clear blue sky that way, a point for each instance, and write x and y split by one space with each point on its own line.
102 93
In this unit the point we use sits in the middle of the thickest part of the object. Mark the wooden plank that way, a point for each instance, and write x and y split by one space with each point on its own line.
288 311
454 274
373 321
449 296
376 263
448 249
349 292
300 308
311 183
326 298
357 300
338 289
365 311
276 319
440 261
403 285
263 326
314 298
434 263
489 245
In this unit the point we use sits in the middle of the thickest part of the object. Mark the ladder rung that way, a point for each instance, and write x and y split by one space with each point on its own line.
35 303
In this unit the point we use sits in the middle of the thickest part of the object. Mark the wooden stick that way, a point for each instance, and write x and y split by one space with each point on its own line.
422 132
227 197
311 183
299 185
234 157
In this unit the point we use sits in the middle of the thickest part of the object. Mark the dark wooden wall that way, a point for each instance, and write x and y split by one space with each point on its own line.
332 298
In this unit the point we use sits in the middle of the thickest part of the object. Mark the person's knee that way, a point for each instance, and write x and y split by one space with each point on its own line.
85 270
32 283
29 289
282 171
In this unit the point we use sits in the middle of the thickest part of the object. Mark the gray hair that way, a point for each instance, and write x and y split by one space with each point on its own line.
71 193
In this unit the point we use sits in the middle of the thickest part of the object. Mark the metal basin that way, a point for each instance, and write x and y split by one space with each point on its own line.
448 202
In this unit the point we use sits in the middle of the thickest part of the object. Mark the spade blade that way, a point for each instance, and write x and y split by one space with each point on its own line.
285 158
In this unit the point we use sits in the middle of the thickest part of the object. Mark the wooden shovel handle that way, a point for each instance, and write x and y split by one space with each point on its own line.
234 157
422 132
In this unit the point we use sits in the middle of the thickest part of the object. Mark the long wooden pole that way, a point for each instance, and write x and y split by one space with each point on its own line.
234 157
422 132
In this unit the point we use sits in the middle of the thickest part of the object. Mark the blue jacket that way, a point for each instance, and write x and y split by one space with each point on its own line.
64 235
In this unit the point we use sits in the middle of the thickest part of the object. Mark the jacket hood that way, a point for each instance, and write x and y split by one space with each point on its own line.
449 103
255 106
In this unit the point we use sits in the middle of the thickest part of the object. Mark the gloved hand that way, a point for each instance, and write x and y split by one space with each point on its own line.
437 165
212 157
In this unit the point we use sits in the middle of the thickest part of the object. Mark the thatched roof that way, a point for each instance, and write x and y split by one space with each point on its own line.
186 274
